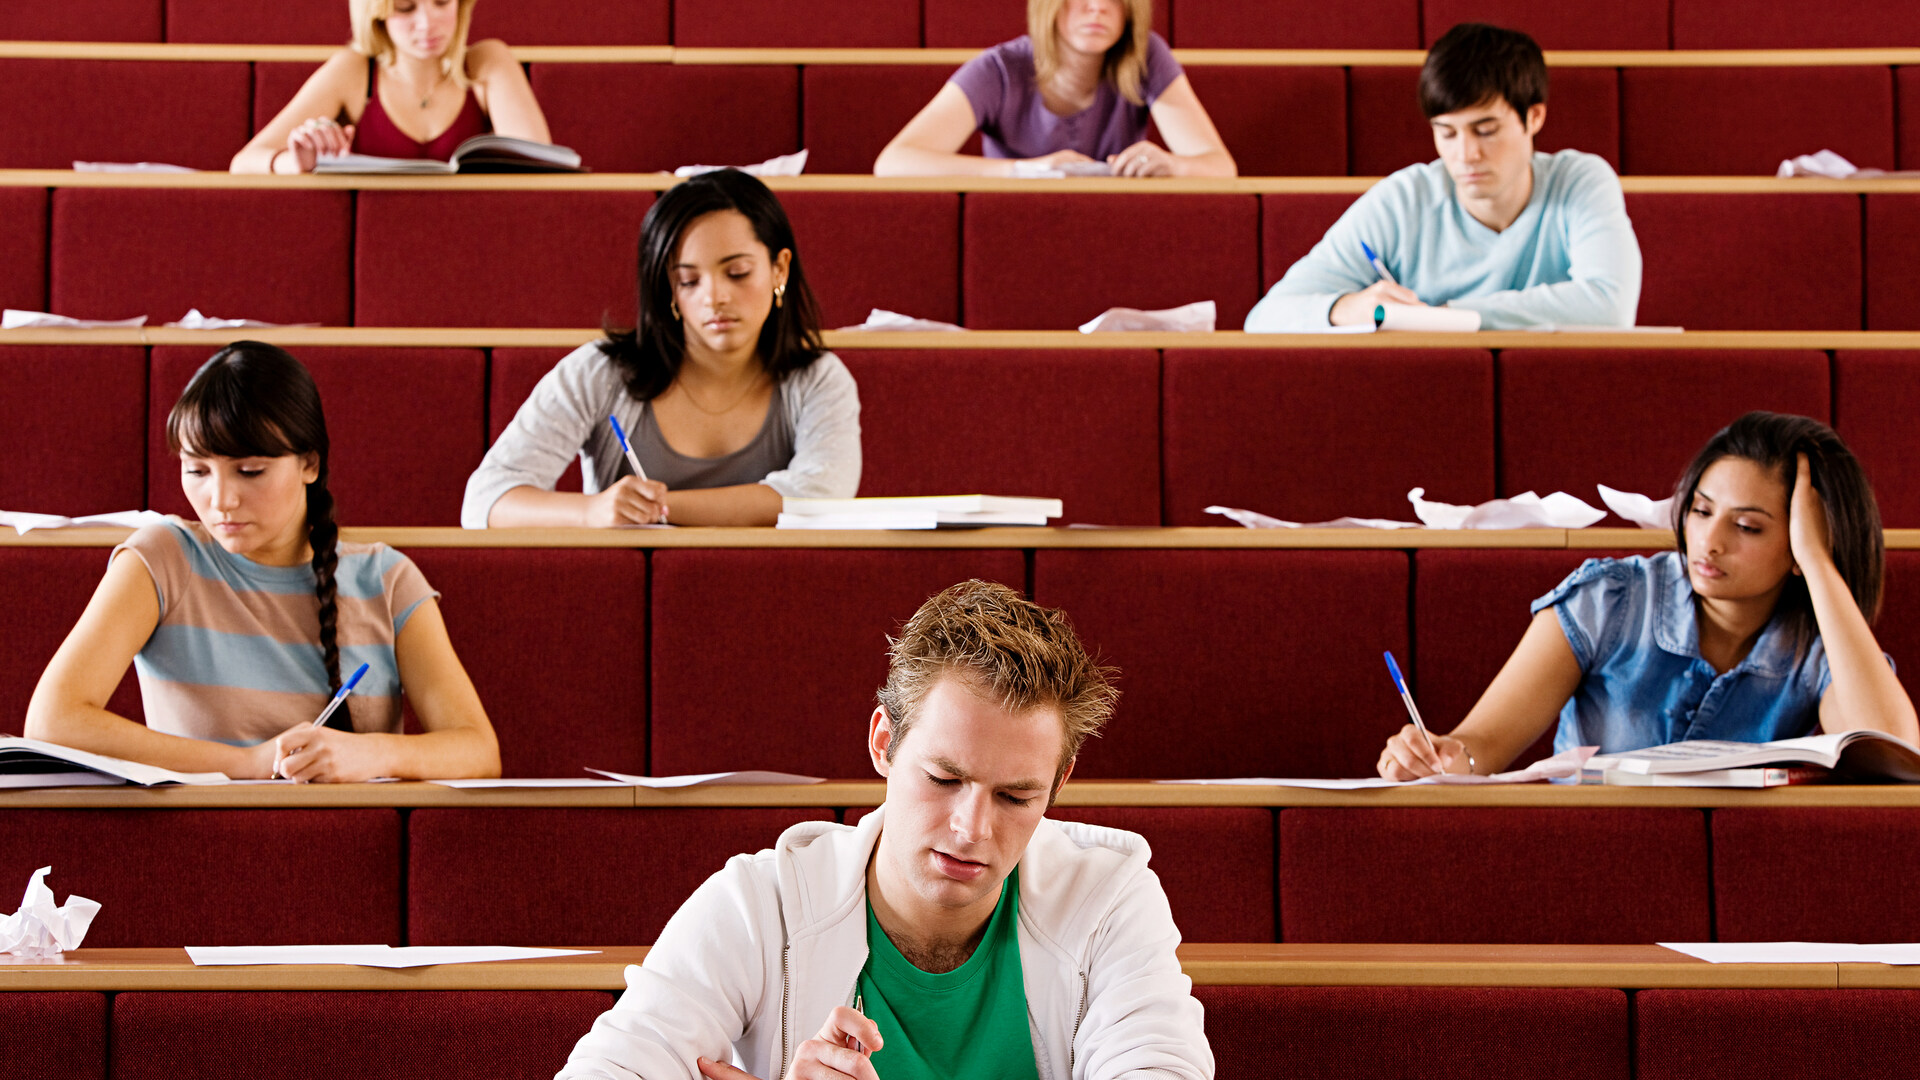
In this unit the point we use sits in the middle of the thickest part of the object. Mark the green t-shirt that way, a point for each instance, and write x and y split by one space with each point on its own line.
970 1022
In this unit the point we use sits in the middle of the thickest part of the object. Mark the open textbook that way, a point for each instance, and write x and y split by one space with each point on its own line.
1863 754
480 154
31 763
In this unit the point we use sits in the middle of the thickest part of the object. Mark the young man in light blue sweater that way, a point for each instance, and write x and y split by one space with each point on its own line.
1526 239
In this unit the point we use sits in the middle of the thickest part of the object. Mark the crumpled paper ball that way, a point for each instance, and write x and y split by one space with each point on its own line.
40 930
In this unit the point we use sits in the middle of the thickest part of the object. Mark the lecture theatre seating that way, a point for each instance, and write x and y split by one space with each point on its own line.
54 1035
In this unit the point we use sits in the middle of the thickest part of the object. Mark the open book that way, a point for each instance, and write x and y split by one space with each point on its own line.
480 154
1868 754
29 763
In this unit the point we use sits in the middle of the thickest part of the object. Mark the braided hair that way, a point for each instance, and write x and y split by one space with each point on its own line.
252 399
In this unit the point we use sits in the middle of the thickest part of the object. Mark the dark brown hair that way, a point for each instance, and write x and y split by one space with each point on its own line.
1474 63
1773 441
252 399
649 355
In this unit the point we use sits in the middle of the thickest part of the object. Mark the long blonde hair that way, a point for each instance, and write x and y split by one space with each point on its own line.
1126 62
370 36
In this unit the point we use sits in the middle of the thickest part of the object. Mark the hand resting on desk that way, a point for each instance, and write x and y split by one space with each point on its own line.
833 1054
1357 307
1407 757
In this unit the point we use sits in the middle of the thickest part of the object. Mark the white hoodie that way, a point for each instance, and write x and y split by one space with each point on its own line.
758 956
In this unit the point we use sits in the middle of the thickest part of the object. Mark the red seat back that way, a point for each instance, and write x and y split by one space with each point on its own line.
1081 426
302 22
1781 24
531 22
1716 1034
1799 258
1827 873
1278 121
1216 864
852 243
1298 24
51 1035
1477 875
386 466
1707 120
82 20
1893 257
59 111
1871 392
1220 675
75 426
653 117
1635 24
820 24
1907 111
1289 227
44 590
849 112
23 248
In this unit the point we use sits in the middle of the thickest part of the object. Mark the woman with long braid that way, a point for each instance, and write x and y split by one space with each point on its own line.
239 624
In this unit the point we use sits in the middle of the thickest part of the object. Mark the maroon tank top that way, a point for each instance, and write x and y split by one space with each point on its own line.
377 135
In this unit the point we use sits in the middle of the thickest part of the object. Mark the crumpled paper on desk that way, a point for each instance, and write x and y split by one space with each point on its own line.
193 320
1191 318
1254 520
882 319
1642 511
11 319
1831 166
41 931
784 165
24 523
1524 511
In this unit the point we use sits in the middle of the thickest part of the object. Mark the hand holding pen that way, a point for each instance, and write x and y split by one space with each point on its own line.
296 752
1416 752
630 500
1357 307
839 1052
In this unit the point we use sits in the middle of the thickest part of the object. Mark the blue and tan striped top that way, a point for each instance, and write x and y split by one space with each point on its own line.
236 657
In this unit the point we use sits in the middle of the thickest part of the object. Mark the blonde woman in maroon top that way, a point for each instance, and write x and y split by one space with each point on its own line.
409 86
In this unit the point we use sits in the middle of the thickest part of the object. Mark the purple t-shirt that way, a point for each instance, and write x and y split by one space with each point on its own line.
1015 122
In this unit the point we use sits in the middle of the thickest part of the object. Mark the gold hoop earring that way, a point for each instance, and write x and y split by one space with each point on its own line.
779 293
675 307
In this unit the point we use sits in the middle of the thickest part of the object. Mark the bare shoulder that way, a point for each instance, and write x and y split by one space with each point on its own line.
487 58
344 68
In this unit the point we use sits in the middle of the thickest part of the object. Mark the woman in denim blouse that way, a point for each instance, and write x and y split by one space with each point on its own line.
1756 628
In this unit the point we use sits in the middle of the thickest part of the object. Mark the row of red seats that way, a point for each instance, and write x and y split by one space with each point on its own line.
989 260
1276 120
579 876
1343 1032
1252 662
1122 436
1193 24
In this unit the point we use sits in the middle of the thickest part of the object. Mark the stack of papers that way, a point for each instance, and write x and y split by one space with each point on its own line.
381 956
31 763
917 512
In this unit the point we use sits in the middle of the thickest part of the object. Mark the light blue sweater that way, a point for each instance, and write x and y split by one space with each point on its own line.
1570 258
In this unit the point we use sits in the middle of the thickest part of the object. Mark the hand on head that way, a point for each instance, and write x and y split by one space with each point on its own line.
1807 532
630 501
316 137
1407 757
1357 307
1141 159
830 1055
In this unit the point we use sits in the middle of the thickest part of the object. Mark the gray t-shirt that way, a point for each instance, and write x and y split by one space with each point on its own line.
809 446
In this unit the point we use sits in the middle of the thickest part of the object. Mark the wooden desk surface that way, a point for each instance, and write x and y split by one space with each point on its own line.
1618 966
869 792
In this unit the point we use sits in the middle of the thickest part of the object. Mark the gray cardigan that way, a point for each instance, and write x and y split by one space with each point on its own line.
567 414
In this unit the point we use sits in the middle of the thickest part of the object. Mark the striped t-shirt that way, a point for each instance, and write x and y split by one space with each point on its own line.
236 657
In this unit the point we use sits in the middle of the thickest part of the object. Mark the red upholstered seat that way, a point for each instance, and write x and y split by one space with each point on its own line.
898 250
1297 24
1873 392
301 22
217 877
277 256
1389 132
1742 1034
82 20
43 591
849 112
811 625
561 698
1469 610
531 22
75 428
23 248
1826 873
1798 254
497 258
1221 671
570 876
1907 112
1285 432
407 426
1289 227
1051 262
1080 426
53 1036
1215 862
274 84
66 110
959 24
511 377
1635 24
228 1035
1893 258
820 24
1538 876
1389 1032
1716 120
1278 121
649 117
1781 24
1633 419
1897 631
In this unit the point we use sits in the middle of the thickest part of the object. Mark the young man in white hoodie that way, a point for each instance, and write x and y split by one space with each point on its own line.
955 931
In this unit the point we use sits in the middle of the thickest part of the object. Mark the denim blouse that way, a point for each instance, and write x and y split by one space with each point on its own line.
1632 626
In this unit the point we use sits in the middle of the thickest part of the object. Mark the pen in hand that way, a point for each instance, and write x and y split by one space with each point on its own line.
1413 710
859 1006
1378 266
333 706
633 459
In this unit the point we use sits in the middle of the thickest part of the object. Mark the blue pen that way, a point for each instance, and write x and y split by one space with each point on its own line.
633 459
1378 266
339 696
1413 710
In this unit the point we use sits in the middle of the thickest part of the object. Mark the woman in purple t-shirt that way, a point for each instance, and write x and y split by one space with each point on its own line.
1074 93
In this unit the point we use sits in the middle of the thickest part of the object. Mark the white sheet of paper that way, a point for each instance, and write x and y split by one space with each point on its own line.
1796 952
1031 170
533 782
1524 511
749 776
1643 511
24 523
1560 766
129 167
381 956
1195 318
193 320
882 319
11 319
1255 520
783 165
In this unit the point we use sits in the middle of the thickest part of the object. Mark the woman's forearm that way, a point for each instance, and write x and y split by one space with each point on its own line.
1213 163
448 754
742 504
1862 691
97 731
527 507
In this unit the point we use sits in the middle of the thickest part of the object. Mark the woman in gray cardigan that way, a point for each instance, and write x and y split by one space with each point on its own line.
727 395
